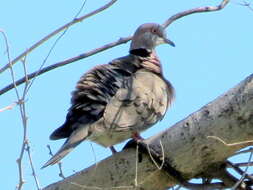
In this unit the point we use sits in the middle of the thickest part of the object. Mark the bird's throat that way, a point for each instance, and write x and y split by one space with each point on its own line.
151 63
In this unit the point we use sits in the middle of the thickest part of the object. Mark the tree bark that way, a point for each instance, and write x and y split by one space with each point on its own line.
186 146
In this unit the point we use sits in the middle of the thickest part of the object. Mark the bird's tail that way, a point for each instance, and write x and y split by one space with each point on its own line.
75 139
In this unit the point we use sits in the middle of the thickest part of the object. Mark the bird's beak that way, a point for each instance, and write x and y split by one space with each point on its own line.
167 41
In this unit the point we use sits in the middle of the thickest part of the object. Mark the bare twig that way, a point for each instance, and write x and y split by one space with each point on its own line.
244 164
10 64
244 174
65 62
239 170
95 158
9 107
250 142
178 187
77 20
244 151
195 10
94 154
28 149
22 108
22 111
111 45
175 187
246 4
163 159
59 163
52 48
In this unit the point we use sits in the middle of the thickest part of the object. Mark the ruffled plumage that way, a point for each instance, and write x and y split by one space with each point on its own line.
115 100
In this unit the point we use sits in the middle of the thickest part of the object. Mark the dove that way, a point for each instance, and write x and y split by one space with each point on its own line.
117 101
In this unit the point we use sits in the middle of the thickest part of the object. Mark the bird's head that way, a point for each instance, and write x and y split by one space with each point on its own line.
147 37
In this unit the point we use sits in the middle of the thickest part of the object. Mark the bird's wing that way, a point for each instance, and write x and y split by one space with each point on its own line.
89 100
93 92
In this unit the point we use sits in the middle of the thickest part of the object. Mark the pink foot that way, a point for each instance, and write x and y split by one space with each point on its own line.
137 137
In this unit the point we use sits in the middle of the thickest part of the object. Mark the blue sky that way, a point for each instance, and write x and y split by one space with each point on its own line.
213 53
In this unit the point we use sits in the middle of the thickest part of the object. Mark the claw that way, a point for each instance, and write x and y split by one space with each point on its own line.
137 137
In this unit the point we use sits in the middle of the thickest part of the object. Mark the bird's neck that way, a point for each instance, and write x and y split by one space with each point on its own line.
148 60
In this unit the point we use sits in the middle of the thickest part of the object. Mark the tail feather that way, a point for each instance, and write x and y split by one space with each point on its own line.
63 131
75 139
58 156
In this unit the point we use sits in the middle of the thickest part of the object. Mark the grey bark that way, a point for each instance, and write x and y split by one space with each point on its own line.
185 146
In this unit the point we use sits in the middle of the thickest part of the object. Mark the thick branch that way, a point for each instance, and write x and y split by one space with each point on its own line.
186 147
100 49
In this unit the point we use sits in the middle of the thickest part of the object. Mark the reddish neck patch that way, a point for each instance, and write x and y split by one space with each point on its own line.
154 58
151 62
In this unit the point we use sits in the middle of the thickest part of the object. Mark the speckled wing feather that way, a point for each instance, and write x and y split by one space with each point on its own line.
93 92
142 101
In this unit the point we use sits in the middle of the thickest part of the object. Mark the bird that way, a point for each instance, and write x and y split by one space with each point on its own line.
119 100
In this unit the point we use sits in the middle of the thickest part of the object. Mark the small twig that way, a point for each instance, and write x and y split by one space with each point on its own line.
77 20
28 149
153 160
80 9
246 4
95 158
94 154
243 175
211 186
244 164
244 151
59 163
179 187
26 144
239 170
175 187
250 142
52 48
9 107
14 85
65 62
22 112
195 10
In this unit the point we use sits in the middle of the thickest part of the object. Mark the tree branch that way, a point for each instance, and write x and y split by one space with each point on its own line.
65 62
37 44
104 47
195 10
186 148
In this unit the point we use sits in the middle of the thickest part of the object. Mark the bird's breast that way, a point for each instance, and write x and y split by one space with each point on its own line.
136 106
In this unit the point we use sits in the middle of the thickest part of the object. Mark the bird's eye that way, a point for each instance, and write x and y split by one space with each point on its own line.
154 30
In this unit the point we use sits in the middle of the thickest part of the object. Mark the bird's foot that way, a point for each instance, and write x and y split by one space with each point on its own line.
136 140
137 137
